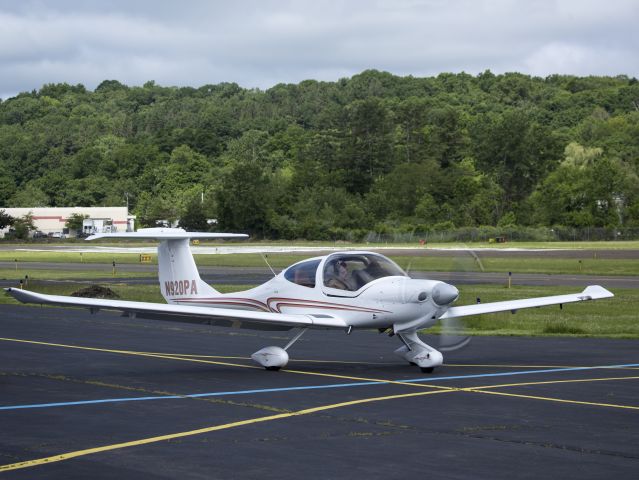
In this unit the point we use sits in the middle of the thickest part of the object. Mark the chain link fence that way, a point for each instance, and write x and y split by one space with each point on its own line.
494 234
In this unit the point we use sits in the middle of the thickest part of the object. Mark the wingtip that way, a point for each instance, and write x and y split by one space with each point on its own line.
597 291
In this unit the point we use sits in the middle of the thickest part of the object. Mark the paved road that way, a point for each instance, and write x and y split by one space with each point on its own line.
389 250
80 399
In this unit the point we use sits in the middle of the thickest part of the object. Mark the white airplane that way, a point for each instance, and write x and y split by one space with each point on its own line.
343 290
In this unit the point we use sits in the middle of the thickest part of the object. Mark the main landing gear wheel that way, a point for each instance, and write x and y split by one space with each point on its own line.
271 358
274 358
417 353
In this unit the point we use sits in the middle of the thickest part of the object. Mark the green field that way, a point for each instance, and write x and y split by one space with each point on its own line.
616 317
37 274
458 261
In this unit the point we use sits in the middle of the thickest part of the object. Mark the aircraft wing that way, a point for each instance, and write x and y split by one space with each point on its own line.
187 314
592 292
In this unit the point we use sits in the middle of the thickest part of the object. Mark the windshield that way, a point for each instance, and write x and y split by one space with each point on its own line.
353 271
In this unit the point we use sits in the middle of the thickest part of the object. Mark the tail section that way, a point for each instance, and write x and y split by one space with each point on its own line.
179 277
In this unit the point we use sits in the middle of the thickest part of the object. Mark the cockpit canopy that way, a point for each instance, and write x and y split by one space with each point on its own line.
303 273
351 271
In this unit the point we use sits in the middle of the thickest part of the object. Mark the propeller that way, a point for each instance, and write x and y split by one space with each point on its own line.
452 336
453 330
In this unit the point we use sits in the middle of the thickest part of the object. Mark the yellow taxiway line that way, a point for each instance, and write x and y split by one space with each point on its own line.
435 389
172 436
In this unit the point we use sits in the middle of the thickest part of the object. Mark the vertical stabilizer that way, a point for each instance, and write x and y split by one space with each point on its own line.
179 277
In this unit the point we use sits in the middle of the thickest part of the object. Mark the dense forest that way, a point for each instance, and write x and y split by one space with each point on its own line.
329 160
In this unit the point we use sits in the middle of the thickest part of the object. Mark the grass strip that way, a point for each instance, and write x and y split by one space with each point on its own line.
458 261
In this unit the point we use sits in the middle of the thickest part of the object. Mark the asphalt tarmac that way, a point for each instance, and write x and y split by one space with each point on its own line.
103 396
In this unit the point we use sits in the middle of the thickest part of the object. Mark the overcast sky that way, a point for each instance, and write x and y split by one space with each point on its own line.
259 43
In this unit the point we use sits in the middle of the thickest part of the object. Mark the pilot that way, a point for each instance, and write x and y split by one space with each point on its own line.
342 279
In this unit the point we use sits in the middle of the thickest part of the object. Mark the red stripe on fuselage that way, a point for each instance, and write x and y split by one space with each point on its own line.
237 301
304 303
275 304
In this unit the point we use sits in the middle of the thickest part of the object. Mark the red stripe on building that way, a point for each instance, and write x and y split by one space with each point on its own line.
59 219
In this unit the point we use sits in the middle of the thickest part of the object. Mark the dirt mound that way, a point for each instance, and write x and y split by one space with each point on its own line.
95 291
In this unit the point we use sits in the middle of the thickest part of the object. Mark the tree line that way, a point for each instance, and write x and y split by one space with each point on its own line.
329 160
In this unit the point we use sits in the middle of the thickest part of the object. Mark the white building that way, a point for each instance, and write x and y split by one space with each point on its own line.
51 220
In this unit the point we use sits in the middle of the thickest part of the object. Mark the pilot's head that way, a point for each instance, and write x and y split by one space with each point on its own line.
340 267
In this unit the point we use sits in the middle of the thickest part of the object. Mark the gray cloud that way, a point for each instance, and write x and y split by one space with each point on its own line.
258 43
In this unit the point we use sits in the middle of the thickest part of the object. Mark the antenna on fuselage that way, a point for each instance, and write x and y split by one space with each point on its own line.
269 266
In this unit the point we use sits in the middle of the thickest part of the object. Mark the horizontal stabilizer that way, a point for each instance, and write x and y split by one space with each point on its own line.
166 234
